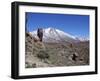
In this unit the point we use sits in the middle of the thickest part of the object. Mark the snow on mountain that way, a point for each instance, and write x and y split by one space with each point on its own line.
83 39
55 35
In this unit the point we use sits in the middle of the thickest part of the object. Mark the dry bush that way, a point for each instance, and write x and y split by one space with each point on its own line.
43 54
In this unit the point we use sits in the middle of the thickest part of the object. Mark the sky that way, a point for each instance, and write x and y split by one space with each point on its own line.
76 25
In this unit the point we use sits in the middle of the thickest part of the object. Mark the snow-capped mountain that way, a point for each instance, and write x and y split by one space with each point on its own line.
55 35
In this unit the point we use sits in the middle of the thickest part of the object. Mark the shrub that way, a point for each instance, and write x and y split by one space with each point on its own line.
29 65
42 55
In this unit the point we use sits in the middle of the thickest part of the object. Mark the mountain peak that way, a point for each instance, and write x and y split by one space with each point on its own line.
50 29
55 35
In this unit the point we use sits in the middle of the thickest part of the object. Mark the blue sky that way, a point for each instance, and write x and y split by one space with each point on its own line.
77 25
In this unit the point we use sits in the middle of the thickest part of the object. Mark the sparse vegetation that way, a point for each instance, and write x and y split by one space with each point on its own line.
29 65
50 55
43 55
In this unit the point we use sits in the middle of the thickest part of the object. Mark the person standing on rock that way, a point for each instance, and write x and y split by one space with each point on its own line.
40 34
